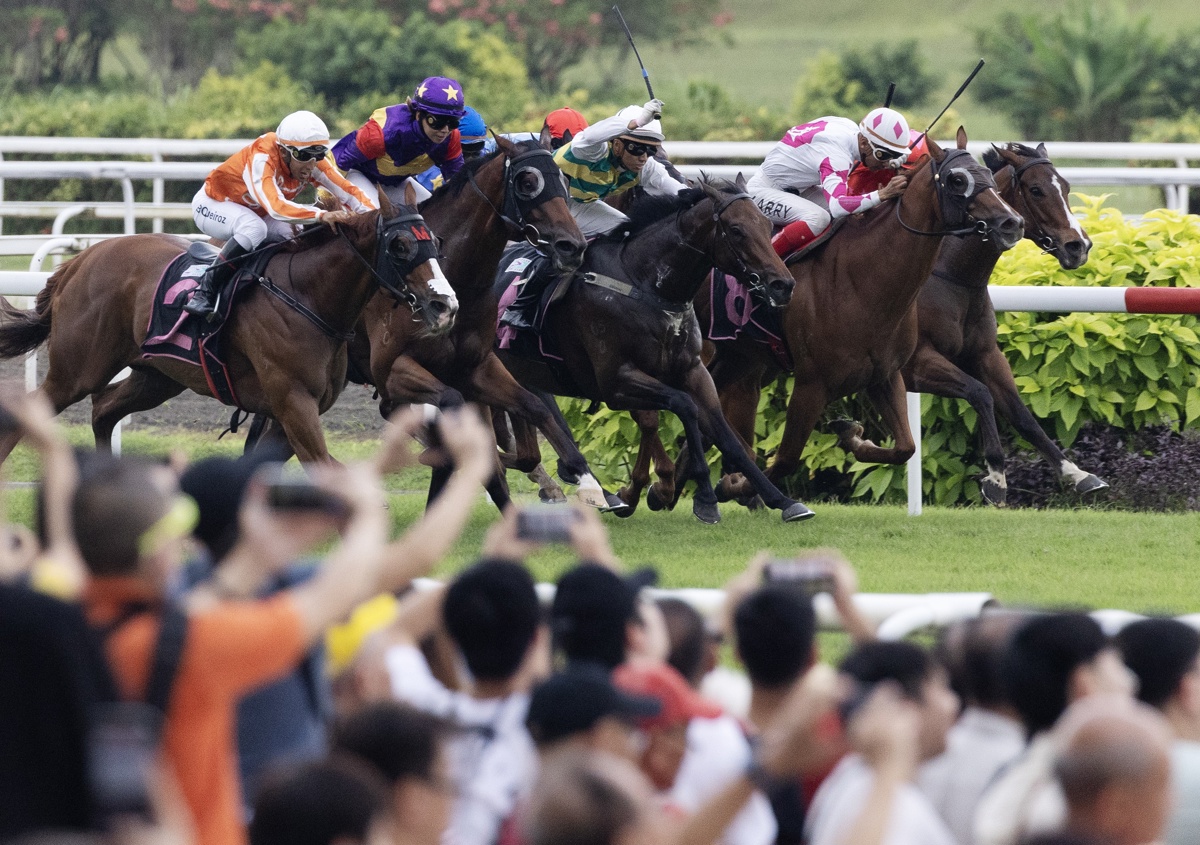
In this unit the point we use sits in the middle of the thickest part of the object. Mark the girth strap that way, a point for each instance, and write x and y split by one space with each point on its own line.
304 310
634 292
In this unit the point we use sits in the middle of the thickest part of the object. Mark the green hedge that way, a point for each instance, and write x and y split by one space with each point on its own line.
1123 370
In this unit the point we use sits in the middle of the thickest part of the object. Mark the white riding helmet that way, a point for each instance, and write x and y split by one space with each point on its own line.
885 128
302 129
652 131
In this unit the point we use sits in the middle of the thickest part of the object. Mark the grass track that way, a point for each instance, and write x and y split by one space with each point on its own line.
1087 557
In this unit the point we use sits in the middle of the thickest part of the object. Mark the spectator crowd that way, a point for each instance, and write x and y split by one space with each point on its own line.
227 653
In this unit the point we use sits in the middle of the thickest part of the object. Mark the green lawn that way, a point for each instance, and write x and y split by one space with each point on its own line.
1087 557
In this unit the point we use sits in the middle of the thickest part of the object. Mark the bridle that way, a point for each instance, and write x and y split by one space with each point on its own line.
518 202
1044 242
958 205
753 281
402 244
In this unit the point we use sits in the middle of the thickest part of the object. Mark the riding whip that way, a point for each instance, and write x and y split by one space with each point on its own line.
629 35
957 94
887 101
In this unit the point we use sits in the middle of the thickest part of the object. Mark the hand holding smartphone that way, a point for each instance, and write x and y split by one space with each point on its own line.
546 523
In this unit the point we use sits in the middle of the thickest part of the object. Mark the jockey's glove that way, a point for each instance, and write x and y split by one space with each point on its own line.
652 110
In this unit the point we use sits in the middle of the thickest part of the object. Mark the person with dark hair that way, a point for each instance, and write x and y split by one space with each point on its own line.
409 747
1113 764
595 615
987 736
491 615
1165 656
920 687
580 708
692 650
1052 660
327 802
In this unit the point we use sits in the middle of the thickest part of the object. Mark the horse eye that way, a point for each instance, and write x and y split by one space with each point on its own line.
1037 192
401 248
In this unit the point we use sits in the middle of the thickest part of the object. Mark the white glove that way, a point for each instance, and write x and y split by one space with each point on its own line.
652 110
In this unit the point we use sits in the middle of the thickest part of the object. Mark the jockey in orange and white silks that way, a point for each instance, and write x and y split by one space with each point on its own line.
803 182
250 198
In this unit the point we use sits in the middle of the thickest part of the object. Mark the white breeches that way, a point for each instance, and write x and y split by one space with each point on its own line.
225 220
782 208
395 193
595 218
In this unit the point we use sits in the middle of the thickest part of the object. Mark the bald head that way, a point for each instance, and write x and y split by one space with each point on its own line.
1114 768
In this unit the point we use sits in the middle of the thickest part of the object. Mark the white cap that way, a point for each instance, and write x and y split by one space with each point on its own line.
652 131
886 128
302 129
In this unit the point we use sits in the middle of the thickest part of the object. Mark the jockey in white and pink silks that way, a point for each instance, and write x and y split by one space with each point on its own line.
803 184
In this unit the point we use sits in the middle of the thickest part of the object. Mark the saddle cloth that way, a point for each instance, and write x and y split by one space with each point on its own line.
174 333
519 263
736 313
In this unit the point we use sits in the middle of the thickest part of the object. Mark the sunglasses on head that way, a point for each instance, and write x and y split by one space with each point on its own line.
437 121
637 150
307 153
884 154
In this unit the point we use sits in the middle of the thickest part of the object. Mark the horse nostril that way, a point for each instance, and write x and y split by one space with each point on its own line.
438 307
568 248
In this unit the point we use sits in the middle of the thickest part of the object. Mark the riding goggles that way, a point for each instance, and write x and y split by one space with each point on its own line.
307 153
637 150
884 154
437 121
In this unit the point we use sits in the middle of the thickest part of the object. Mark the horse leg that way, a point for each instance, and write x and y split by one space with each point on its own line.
888 398
807 402
526 443
934 373
700 387
639 476
739 384
492 384
298 412
60 393
143 390
996 375
266 433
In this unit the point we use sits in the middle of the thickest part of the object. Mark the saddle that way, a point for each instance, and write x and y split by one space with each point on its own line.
820 240
518 265
174 333
737 313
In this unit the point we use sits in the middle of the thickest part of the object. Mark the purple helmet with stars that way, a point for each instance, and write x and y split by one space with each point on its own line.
439 95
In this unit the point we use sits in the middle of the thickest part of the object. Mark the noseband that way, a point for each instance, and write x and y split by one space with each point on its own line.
401 245
518 202
958 204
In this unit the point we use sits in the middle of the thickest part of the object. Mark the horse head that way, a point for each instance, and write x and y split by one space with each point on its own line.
967 198
406 264
532 194
741 244
1038 192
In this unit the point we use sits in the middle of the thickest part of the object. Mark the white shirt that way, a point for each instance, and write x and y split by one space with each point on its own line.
818 154
717 754
841 799
1024 800
491 762
977 748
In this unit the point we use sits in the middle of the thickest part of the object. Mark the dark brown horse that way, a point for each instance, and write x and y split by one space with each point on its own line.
628 335
957 353
95 310
851 323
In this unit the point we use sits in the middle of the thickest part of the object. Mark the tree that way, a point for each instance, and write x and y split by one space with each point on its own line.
1089 73
55 41
854 82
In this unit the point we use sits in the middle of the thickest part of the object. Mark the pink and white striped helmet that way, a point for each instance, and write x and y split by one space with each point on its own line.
886 128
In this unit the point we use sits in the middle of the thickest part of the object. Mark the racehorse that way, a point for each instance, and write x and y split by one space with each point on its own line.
851 324
627 333
957 353
286 353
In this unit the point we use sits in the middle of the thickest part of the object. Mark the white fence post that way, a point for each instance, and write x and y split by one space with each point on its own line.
914 463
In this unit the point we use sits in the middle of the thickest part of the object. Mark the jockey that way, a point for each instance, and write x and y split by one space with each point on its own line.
803 183
402 141
473 135
559 127
249 198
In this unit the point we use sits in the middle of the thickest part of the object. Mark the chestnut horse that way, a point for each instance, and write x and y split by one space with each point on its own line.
851 325
957 354
628 335
286 359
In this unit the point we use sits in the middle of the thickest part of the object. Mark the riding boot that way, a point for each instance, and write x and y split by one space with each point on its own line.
522 313
203 299
793 236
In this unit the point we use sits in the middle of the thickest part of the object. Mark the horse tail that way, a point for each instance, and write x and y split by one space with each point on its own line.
24 331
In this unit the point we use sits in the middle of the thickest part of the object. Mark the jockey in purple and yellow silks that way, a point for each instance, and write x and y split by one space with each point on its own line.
404 140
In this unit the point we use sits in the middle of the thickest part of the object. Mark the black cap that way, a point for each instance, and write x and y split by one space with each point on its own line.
591 591
576 698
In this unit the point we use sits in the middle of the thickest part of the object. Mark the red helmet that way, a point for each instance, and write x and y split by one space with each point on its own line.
564 124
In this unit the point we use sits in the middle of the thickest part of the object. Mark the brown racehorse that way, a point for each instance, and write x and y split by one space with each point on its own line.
95 310
628 335
957 354
851 325
516 194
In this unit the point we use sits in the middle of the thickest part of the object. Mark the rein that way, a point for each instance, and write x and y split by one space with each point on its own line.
1045 242
302 309
752 280
978 228
530 232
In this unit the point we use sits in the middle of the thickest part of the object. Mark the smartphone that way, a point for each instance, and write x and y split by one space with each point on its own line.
296 492
122 748
810 575
545 523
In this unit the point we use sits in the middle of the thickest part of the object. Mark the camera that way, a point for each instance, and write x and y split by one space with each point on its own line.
296 492
546 523
810 575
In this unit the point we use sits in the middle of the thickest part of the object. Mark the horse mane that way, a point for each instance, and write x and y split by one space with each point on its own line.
453 186
996 163
647 210
360 225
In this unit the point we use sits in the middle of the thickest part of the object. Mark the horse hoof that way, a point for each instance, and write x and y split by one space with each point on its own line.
706 512
752 502
566 475
724 489
1090 484
618 506
993 493
554 496
654 501
846 429
592 494
629 500
797 512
